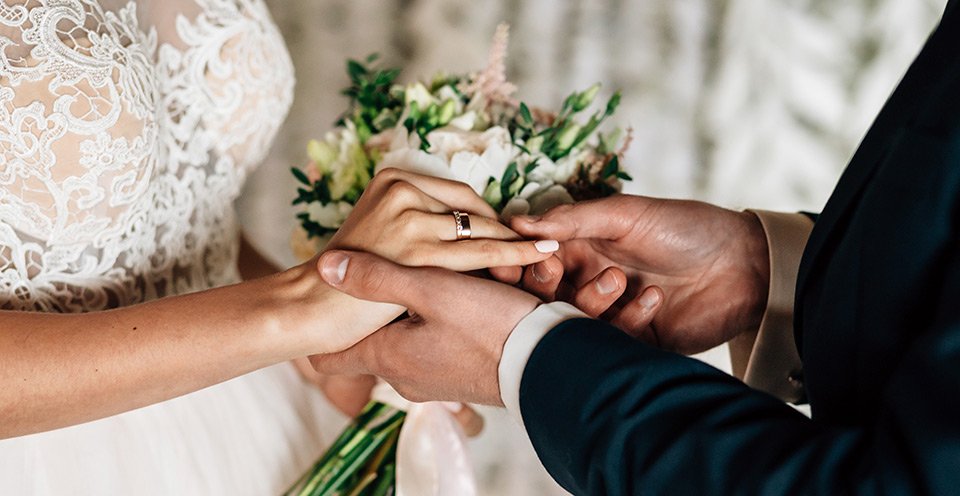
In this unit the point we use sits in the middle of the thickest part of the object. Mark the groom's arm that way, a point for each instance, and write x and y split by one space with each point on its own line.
610 415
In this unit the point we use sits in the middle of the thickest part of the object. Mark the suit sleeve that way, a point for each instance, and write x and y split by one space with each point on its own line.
610 415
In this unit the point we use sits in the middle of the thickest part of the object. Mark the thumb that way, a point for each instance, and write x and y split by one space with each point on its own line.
606 218
369 277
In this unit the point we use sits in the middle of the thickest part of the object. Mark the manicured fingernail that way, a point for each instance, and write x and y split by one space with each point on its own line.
452 406
607 284
649 299
333 269
547 246
542 273
529 218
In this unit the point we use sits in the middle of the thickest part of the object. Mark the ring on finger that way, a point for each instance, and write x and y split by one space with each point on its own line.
463 225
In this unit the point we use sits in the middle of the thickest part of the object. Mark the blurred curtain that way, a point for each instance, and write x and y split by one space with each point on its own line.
740 102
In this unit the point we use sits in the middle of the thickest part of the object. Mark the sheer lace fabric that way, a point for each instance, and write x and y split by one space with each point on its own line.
126 131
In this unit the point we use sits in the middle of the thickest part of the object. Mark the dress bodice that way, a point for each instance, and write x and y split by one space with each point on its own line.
126 132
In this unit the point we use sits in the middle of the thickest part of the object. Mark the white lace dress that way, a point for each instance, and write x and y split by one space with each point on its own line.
126 132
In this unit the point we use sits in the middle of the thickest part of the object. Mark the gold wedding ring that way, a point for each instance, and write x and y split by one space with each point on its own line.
463 225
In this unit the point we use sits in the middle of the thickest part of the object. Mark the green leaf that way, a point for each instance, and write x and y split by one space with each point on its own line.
323 191
386 77
531 167
611 169
356 71
613 104
509 176
372 58
624 176
300 175
525 113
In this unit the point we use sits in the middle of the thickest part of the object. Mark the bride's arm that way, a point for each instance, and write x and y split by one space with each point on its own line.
59 370
348 393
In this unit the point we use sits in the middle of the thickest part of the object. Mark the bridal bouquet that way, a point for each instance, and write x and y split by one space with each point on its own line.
520 159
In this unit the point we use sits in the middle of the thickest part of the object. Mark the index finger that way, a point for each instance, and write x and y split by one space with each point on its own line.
607 218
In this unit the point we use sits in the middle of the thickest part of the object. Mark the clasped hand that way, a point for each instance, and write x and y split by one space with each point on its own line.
685 276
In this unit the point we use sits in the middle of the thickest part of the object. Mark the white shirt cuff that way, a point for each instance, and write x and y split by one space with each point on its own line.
520 345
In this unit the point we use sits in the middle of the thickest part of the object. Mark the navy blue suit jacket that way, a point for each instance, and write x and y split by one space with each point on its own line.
877 326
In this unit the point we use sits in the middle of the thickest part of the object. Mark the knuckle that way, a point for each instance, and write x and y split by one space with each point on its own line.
370 281
386 176
406 225
400 194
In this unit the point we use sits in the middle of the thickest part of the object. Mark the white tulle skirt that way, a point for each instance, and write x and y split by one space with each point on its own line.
253 435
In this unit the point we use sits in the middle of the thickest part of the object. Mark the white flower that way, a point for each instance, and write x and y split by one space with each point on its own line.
447 93
471 157
535 199
341 158
405 154
418 93
556 172
465 122
331 215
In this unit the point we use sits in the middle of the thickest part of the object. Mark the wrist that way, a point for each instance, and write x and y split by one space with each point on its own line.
315 318
290 307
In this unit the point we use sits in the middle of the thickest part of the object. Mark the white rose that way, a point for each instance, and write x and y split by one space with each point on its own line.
486 155
536 199
405 154
467 156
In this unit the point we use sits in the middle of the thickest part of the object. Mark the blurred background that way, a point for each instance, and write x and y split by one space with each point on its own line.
744 103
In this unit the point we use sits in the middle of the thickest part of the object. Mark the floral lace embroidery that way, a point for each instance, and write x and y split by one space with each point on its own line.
120 157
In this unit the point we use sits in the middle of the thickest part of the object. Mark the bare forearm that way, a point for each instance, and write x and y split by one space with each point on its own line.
61 370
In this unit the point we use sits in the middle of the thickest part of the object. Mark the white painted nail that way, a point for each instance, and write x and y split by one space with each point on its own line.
547 246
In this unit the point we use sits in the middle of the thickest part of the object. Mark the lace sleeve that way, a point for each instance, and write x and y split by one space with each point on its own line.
120 157
77 141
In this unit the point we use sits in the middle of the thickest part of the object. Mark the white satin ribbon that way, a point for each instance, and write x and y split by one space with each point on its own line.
432 455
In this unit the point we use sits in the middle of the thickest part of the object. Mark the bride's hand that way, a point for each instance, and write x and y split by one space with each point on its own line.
407 218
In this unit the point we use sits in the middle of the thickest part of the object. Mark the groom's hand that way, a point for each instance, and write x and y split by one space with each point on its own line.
449 349
691 275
